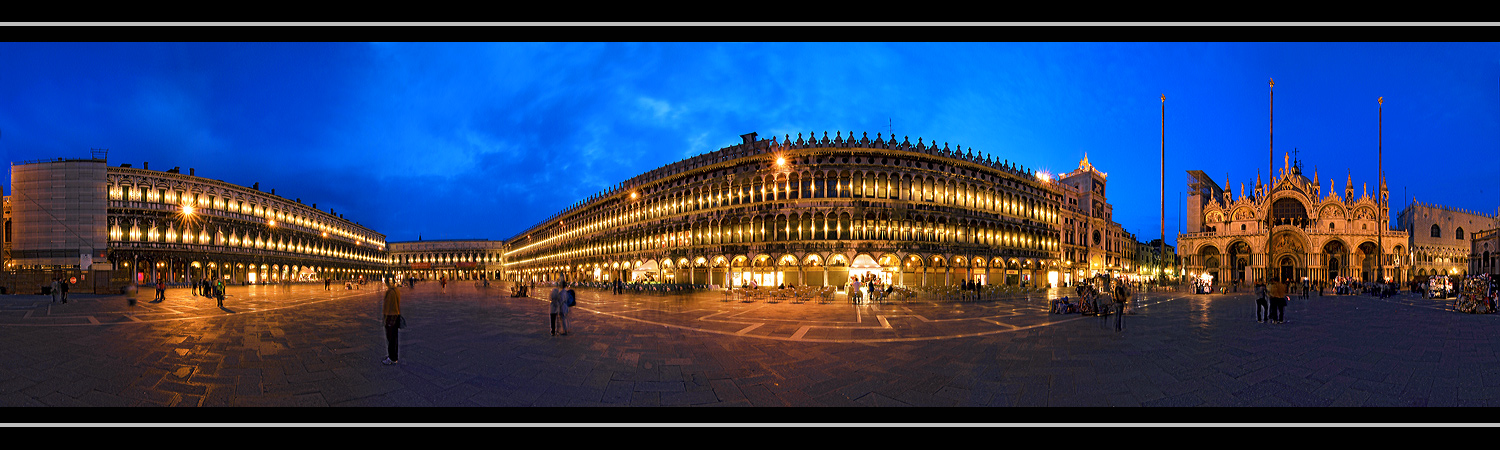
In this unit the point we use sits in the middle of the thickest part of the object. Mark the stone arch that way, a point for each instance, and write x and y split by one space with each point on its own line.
1368 260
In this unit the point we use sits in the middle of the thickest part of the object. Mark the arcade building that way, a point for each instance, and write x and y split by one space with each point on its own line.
80 216
453 259
808 211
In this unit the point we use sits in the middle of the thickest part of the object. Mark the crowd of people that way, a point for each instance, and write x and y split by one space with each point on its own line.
1118 291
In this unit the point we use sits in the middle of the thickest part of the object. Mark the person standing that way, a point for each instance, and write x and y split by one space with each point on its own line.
1262 309
219 293
854 290
560 298
65 284
327 283
1122 294
56 290
390 311
1278 299
161 290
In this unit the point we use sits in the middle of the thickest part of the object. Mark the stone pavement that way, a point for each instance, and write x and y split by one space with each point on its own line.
472 346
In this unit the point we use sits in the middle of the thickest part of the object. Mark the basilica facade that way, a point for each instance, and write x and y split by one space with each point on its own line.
1315 235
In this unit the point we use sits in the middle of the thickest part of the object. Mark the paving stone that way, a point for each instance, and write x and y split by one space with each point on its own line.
645 350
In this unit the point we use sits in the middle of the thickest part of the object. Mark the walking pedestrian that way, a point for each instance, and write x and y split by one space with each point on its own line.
56 290
1262 309
219 293
327 282
64 290
562 298
1278 299
390 312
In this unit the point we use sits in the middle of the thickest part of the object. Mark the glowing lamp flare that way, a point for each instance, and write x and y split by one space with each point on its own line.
187 209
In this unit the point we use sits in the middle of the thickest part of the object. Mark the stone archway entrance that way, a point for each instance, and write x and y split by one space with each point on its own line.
1337 256
1289 261
1287 268
1367 261
645 272
1239 260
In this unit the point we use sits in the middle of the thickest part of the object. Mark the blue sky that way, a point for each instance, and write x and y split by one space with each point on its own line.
482 140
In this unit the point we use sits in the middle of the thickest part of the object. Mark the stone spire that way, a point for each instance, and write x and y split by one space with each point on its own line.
1349 188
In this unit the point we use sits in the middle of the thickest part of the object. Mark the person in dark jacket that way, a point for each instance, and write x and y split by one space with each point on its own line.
1262 308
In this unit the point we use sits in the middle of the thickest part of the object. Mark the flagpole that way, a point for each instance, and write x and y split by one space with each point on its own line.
1380 177
1271 174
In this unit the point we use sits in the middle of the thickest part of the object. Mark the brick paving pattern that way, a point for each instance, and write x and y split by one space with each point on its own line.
472 346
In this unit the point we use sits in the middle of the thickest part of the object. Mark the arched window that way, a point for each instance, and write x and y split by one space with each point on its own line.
1436 232
1459 233
1289 210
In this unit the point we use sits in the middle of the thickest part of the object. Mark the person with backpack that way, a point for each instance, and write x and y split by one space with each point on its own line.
1262 309
562 298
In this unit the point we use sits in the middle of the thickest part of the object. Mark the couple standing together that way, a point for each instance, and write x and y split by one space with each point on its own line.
1270 301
